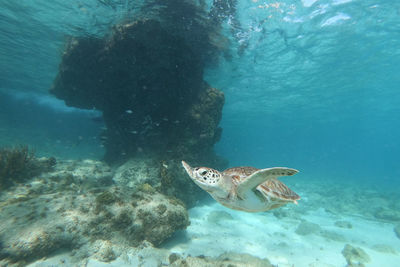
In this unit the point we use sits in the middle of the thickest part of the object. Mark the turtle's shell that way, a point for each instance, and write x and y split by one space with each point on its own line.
273 189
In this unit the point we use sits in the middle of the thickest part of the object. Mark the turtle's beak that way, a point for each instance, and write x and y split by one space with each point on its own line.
188 169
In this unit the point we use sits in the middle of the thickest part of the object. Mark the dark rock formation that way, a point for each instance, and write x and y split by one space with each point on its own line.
147 79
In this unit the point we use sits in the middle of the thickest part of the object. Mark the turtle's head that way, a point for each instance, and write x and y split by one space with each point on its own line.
207 178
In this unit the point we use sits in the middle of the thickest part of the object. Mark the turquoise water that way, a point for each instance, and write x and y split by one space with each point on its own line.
316 86
313 85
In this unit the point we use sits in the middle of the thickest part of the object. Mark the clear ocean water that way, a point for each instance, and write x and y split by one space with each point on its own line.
316 88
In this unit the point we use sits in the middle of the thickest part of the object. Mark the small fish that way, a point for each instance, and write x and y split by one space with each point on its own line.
165 165
165 119
134 132
129 111
176 122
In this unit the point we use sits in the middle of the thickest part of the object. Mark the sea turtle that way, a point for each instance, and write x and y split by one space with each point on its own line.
245 188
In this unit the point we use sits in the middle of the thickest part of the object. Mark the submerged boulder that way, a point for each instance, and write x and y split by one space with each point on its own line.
136 172
146 76
47 214
355 256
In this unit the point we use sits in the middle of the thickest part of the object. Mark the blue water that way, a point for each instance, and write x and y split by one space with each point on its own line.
316 88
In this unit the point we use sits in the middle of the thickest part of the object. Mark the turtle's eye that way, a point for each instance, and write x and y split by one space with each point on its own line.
203 172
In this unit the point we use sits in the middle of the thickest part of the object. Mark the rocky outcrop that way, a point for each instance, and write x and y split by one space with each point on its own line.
59 211
166 176
138 171
146 76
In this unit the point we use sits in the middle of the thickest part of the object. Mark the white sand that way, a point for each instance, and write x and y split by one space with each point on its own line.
265 236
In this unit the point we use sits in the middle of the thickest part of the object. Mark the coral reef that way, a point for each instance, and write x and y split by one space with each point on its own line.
85 173
19 164
137 171
146 77
46 214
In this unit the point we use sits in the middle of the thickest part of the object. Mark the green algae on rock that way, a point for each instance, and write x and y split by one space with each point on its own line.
20 164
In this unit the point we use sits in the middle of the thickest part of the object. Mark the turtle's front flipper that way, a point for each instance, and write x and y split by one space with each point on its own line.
261 176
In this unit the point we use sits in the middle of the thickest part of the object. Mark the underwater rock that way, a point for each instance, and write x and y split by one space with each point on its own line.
138 171
307 228
166 176
103 251
160 218
355 256
396 230
37 226
146 76
37 222
343 224
387 214
224 260
85 173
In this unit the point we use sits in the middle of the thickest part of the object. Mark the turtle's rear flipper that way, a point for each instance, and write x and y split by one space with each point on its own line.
261 176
